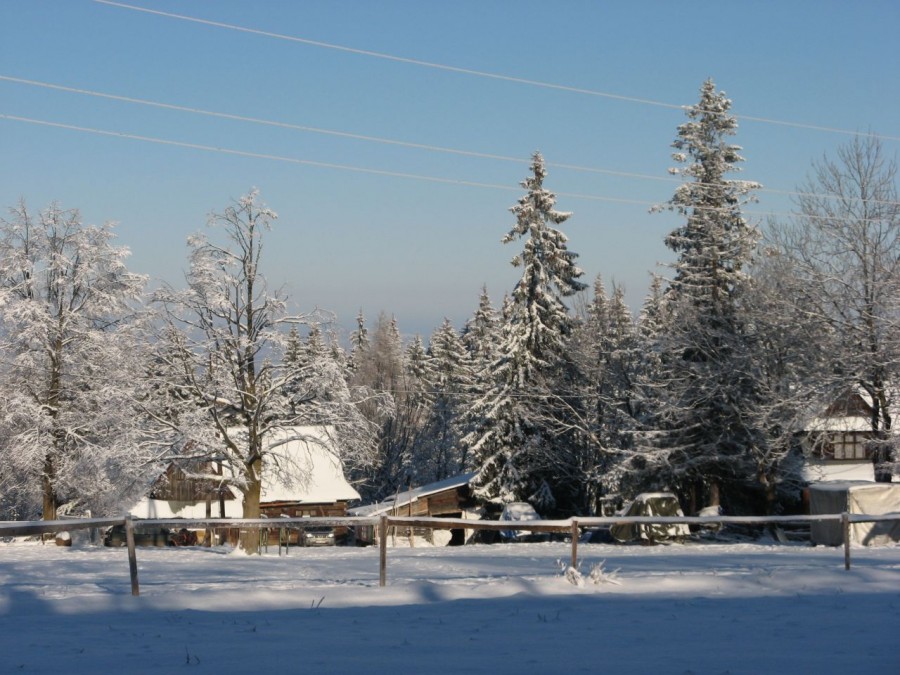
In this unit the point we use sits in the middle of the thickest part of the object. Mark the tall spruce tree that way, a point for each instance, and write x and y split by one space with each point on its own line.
706 395
513 444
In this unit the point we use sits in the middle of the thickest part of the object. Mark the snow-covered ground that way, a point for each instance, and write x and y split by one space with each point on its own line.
712 608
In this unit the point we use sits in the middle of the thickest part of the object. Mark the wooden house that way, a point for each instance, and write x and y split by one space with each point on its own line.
302 476
839 444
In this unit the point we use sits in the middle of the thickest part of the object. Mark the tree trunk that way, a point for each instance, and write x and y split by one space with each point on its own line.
249 541
715 498
768 486
48 478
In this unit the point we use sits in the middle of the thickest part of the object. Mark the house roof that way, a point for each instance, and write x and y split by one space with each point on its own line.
402 499
850 412
302 465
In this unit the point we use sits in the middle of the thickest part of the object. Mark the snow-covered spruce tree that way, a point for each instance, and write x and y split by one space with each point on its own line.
449 378
515 440
359 343
417 362
844 248
226 336
67 304
707 394
605 348
481 332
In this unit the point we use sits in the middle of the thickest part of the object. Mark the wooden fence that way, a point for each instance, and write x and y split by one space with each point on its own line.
571 527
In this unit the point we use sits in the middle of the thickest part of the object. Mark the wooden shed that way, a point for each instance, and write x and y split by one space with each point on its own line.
448 498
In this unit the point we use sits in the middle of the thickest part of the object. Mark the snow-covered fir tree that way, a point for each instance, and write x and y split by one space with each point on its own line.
513 444
481 332
359 342
707 391
450 378
417 362
72 429
604 346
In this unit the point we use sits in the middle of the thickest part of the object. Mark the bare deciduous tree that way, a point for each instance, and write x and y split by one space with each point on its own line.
844 246
223 345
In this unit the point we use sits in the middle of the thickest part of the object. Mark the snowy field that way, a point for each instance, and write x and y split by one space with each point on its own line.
713 608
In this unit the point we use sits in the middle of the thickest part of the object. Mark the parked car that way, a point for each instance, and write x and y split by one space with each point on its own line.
143 536
318 536
519 512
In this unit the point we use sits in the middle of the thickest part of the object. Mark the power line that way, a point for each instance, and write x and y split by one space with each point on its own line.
369 138
470 71
365 170
245 153
319 130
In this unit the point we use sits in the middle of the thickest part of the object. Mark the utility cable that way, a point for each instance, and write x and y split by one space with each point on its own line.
377 172
471 71
378 139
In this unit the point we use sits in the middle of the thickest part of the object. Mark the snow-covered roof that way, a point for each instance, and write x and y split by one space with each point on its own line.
404 498
845 423
300 466
160 508
308 468
818 470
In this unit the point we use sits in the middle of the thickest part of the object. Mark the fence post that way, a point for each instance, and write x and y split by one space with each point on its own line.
574 544
132 556
382 545
845 524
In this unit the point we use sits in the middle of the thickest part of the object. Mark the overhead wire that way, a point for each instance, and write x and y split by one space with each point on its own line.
368 138
364 170
470 71
319 130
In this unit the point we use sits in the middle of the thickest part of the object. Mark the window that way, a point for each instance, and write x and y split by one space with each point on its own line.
848 445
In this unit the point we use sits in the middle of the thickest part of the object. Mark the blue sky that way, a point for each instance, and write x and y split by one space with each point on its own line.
418 249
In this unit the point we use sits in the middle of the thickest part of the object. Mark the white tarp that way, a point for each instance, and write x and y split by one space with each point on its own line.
865 498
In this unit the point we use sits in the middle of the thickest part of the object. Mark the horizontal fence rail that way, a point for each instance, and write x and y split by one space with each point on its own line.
383 524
